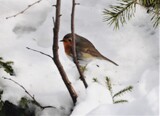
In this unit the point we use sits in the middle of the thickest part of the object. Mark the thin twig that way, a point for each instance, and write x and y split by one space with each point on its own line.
40 52
77 3
53 21
31 96
74 45
54 5
55 48
29 6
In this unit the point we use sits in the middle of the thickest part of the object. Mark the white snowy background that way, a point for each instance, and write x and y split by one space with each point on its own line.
134 47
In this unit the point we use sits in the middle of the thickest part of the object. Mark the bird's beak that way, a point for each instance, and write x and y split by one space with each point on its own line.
61 40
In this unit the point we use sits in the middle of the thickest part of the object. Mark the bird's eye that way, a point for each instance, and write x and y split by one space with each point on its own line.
69 40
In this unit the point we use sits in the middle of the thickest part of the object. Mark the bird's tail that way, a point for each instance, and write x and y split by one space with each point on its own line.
109 60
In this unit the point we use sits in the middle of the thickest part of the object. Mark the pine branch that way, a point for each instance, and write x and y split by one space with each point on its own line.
21 12
120 101
120 13
1 105
155 12
7 66
1 92
95 80
153 8
148 3
127 89
1 102
109 85
155 20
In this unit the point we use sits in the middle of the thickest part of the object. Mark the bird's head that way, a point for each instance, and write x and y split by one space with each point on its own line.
67 40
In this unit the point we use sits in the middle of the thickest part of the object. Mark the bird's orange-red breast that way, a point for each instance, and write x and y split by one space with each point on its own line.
85 50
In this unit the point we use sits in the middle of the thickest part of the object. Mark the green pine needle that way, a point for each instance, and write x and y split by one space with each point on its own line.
127 89
155 12
109 86
120 101
95 80
153 8
119 13
83 68
108 83
1 92
24 102
1 105
1 102
148 3
7 66
9 62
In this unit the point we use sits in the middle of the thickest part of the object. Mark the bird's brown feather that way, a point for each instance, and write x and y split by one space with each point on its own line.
84 48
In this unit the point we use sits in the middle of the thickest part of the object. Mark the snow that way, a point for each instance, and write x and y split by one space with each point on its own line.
135 47
130 108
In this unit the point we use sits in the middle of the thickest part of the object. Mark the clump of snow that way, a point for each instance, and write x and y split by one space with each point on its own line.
94 96
133 108
134 47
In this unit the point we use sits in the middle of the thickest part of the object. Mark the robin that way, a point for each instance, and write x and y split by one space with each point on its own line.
85 50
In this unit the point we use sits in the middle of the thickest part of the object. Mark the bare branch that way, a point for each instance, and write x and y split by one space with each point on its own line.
53 21
21 12
31 96
74 45
54 5
40 52
55 48
77 3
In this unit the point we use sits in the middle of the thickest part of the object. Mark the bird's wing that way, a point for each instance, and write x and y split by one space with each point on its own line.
87 47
